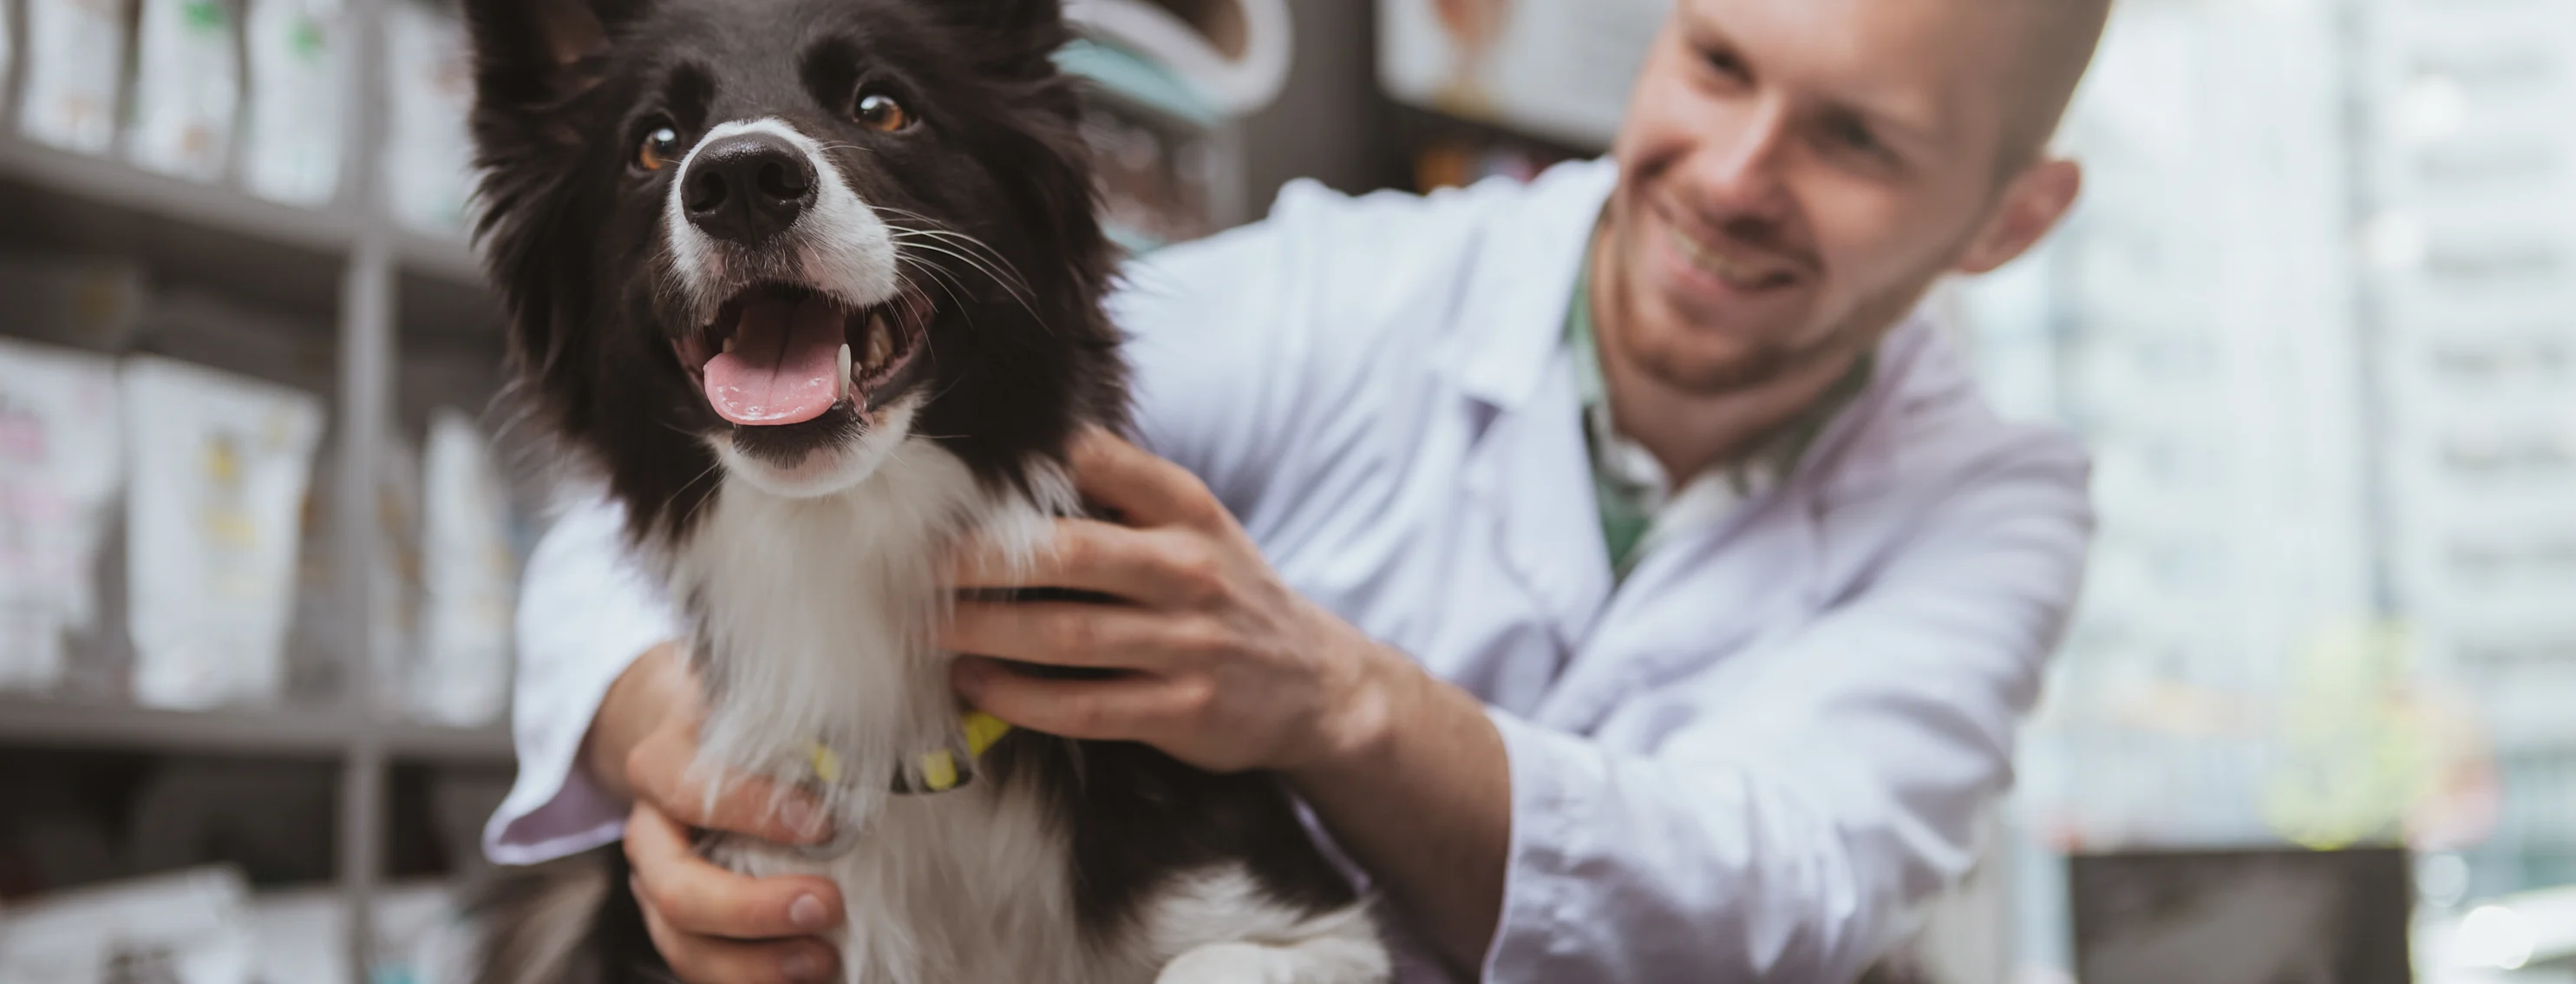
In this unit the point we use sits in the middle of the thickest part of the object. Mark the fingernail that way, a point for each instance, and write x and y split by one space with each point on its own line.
801 966
807 913
802 818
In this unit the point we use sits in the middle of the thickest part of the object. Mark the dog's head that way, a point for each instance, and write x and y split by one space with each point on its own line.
777 238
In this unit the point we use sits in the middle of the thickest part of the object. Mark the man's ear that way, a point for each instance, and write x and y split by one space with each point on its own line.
2031 205
532 52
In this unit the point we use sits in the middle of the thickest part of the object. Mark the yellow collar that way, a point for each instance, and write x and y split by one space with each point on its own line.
935 771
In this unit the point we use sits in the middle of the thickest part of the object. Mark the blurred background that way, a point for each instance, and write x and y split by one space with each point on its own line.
2316 316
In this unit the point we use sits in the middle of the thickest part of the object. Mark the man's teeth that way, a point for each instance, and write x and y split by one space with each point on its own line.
1735 274
880 344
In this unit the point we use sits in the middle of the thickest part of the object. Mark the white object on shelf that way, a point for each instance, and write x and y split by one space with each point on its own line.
8 41
291 144
1559 69
421 937
468 578
187 88
220 467
184 928
58 475
1236 53
75 57
428 158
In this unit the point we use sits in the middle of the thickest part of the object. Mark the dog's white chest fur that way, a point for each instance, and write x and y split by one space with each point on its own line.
816 613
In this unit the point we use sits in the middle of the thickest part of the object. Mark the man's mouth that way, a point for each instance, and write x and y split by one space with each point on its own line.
779 354
1740 273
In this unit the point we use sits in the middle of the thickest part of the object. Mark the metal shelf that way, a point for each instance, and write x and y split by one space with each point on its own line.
293 732
223 209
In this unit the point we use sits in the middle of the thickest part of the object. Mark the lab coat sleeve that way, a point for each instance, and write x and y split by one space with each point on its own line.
586 611
1794 801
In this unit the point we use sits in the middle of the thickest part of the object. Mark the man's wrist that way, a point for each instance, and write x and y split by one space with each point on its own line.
1360 721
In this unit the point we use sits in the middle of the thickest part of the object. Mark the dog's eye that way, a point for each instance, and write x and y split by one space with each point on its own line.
881 113
662 146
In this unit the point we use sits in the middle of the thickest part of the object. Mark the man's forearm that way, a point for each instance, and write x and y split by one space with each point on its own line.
1424 803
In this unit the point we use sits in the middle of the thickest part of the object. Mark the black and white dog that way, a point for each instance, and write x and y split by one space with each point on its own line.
815 287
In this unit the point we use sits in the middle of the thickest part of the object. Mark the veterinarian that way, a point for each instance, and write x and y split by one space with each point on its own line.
1634 587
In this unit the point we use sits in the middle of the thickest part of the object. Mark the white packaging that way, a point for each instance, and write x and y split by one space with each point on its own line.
75 57
187 88
58 473
189 927
8 41
468 579
291 140
220 467
429 154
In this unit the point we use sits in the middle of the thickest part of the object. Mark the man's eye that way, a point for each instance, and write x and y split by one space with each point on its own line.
661 147
1725 63
1849 133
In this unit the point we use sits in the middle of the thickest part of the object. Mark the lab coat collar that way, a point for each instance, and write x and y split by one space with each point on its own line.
1513 314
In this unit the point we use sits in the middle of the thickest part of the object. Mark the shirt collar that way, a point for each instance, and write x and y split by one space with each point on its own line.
1512 298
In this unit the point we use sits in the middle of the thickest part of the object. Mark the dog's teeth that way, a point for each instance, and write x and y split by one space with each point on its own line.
841 384
728 345
880 343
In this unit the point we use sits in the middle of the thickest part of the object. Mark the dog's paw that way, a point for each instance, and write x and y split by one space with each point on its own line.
1328 961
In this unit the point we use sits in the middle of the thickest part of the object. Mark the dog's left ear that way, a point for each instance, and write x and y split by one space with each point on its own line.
533 52
1018 37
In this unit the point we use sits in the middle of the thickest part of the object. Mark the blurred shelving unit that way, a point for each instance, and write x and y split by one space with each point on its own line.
365 288
375 284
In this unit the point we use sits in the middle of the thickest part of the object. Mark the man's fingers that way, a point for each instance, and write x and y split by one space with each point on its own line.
1144 489
663 771
1073 633
699 959
1080 554
698 898
1138 708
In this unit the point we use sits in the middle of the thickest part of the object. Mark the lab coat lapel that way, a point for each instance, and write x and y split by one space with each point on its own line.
1528 484
1526 477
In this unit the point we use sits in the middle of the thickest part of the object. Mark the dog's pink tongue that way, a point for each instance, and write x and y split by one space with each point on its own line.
783 367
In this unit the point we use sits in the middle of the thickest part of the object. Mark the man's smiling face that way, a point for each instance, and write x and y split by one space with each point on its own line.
1794 175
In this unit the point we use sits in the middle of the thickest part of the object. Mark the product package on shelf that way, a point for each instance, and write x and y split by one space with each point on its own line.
220 467
188 927
468 580
291 140
327 624
187 88
58 473
92 304
75 58
8 43
428 160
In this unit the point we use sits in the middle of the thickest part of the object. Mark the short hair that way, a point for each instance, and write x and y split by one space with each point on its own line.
2058 41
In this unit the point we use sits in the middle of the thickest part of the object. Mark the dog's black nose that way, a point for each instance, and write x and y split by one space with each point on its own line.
747 187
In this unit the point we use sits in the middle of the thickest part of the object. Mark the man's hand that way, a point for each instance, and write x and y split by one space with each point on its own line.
712 925
1226 668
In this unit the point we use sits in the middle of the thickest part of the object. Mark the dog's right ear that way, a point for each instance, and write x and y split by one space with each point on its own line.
534 52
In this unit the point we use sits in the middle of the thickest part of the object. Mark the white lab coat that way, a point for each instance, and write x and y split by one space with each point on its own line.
1745 763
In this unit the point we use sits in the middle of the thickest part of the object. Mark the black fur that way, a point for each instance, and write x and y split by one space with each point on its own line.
571 231
569 227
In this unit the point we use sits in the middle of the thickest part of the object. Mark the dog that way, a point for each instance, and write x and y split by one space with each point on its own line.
814 287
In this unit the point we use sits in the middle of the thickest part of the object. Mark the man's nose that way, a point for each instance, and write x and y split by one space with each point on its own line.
1740 169
747 187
